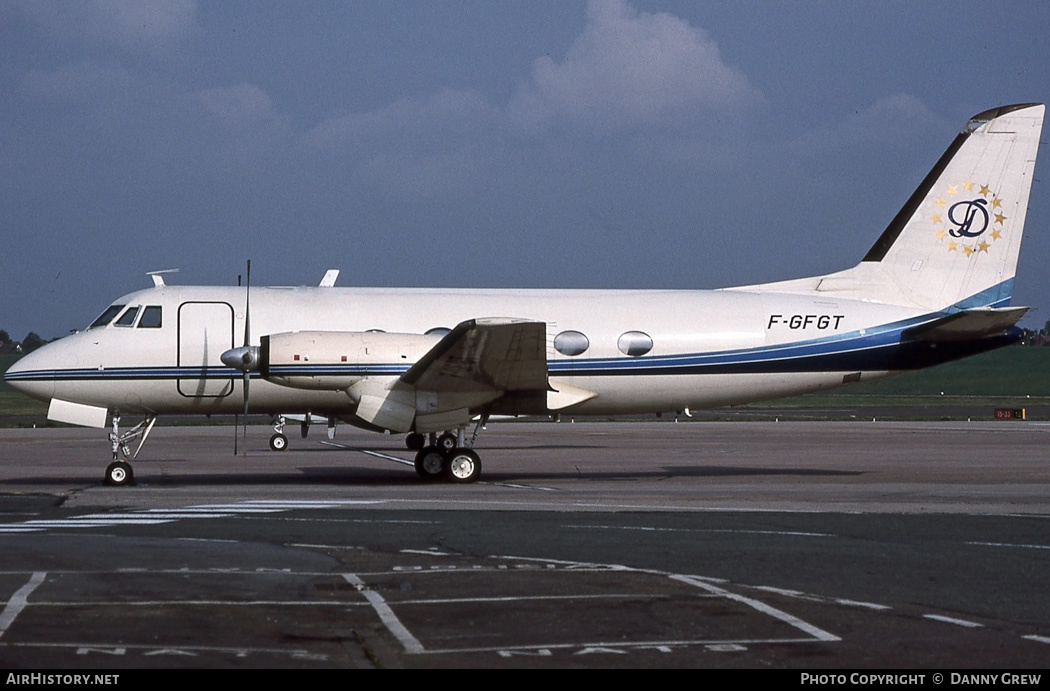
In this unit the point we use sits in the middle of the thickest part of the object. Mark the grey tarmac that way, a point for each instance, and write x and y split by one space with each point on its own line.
587 544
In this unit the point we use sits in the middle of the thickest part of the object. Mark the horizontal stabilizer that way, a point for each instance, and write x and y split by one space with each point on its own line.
968 325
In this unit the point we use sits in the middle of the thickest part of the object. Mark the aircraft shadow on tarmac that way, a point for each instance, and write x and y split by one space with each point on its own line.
402 477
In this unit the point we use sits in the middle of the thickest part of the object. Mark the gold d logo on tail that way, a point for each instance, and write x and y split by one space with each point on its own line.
969 219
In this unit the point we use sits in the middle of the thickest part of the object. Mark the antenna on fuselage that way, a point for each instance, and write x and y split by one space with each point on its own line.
158 276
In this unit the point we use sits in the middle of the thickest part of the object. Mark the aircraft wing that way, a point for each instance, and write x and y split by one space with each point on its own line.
493 354
982 322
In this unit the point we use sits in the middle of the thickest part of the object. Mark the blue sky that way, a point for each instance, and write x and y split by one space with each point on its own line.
472 143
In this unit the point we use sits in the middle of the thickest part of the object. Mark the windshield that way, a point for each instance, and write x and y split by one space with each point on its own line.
107 316
128 318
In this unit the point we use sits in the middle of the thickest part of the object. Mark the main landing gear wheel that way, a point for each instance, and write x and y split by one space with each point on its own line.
278 442
447 442
430 463
463 466
415 441
119 473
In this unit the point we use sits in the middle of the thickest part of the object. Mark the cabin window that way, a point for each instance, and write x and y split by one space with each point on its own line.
571 343
128 318
107 316
151 317
635 343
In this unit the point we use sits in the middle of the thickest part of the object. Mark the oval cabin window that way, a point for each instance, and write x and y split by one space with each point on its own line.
571 343
635 343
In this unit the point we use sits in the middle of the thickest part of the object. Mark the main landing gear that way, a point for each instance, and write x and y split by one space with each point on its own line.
446 457
119 472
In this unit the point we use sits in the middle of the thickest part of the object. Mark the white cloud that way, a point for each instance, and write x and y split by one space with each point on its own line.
136 24
631 68
85 81
889 120
627 69
241 104
449 113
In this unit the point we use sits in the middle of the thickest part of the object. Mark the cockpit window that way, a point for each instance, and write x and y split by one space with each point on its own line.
150 317
128 318
107 316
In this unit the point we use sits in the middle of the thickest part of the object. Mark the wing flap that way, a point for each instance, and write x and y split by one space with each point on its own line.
561 394
493 354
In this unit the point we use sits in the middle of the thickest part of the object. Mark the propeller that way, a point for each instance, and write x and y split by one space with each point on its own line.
244 358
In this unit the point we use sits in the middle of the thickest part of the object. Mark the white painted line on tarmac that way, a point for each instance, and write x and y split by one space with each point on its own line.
175 515
121 649
532 598
386 615
19 600
388 457
788 619
866 605
710 587
245 507
1037 639
178 602
162 516
787 533
616 647
953 620
1008 544
95 523
819 598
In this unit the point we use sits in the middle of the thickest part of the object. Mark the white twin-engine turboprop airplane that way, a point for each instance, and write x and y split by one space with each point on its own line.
935 286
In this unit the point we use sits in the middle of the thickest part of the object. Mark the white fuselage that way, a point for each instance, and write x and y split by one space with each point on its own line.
708 348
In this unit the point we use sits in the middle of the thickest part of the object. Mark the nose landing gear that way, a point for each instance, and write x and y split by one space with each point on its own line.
119 472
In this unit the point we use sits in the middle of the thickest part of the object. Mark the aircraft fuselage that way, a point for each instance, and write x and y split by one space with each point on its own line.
708 348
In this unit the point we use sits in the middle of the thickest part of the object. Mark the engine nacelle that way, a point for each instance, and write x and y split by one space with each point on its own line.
336 360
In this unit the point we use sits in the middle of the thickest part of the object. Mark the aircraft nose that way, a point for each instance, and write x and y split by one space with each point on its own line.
33 375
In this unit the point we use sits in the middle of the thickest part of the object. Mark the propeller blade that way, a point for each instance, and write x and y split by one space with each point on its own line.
246 359
247 306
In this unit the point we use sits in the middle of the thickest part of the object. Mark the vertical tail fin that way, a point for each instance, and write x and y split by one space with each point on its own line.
956 241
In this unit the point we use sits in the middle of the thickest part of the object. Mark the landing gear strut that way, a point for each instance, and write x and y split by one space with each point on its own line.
119 472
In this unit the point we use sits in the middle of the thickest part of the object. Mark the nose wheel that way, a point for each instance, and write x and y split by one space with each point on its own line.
119 473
